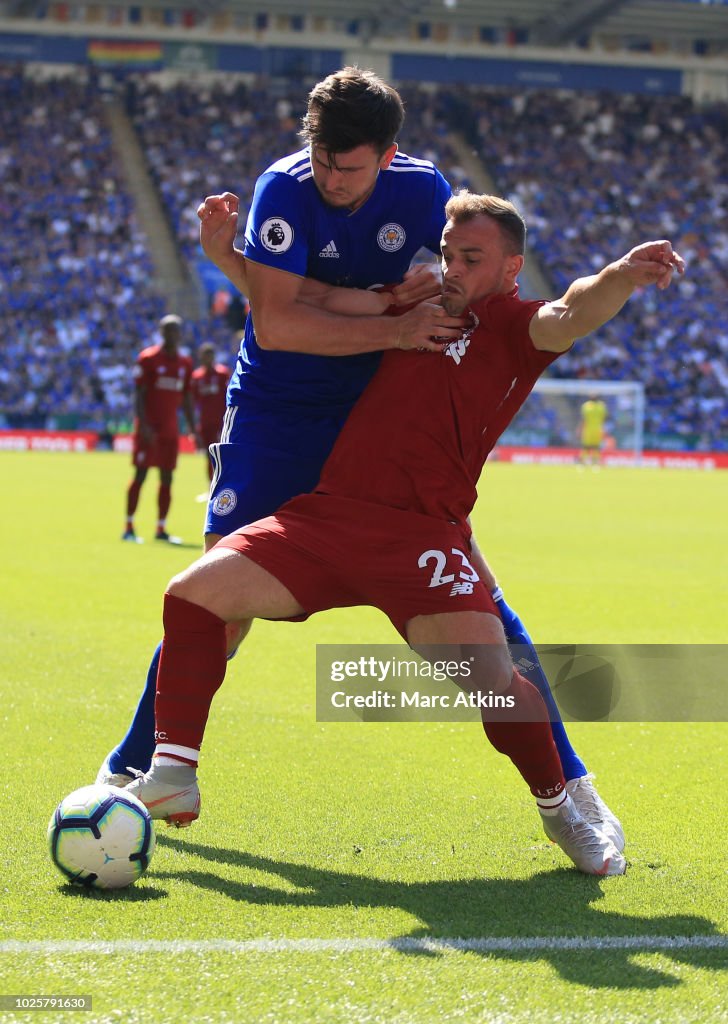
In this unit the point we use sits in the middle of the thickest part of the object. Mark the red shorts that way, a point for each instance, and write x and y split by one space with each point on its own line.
333 552
162 452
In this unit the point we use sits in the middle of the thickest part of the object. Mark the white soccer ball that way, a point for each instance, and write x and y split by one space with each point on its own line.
101 837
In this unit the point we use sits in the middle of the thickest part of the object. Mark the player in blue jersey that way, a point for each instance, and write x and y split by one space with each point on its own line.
348 211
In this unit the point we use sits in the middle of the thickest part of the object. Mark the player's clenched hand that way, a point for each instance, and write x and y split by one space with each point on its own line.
218 224
421 282
429 327
652 263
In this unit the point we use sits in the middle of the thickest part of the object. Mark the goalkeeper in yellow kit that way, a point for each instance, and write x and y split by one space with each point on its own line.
593 418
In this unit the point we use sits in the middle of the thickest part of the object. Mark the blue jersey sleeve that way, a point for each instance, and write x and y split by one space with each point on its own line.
275 233
442 193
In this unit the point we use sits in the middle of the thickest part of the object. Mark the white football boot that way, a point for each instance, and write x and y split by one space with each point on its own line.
590 850
169 793
591 807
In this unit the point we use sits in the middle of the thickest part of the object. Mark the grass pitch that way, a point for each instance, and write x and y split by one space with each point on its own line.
363 835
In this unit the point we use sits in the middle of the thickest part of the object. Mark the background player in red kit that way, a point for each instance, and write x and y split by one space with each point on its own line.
162 377
388 523
208 387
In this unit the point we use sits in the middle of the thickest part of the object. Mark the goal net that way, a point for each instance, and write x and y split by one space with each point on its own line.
551 416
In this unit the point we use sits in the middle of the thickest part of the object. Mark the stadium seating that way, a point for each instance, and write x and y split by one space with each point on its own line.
594 174
73 268
76 304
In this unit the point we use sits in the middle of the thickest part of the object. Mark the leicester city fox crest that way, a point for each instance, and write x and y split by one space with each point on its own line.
224 502
391 237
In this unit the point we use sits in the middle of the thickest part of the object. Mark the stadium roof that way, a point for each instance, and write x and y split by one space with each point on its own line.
549 22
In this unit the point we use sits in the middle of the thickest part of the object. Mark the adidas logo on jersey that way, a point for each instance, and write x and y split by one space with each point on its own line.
330 251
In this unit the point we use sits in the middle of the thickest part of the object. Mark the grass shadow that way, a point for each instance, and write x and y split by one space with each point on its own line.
552 903
129 894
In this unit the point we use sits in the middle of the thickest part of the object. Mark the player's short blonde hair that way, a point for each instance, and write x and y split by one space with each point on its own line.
465 206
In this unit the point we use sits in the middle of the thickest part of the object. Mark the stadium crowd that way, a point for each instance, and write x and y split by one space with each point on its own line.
592 173
206 138
74 271
200 139
76 300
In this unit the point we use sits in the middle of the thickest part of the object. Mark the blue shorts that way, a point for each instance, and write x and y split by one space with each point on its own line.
263 460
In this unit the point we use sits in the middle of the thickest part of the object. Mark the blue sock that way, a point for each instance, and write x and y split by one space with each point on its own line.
521 644
137 747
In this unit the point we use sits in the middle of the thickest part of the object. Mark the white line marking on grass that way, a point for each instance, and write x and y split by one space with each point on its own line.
536 944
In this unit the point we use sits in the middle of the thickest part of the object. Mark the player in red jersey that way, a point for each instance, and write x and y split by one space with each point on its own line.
209 386
162 376
388 523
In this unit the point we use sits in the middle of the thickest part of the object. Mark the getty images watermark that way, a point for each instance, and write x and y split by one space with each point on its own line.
589 682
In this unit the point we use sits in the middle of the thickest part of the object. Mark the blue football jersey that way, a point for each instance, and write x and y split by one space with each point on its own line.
291 228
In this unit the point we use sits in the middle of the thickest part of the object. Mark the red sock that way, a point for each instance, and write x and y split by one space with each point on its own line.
191 668
164 500
132 497
524 735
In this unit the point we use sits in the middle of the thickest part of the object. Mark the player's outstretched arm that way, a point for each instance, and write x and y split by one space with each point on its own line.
285 322
590 302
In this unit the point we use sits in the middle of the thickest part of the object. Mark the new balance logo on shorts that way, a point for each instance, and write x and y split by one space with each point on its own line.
461 588
330 251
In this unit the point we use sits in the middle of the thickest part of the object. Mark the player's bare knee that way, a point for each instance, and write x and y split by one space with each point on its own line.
179 586
208 582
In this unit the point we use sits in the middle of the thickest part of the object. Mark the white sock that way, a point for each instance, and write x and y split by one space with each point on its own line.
174 753
164 761
553 805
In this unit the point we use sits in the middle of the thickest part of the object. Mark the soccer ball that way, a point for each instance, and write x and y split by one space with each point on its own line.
101 837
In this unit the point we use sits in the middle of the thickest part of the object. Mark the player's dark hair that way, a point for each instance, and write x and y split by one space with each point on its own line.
465 206
352 107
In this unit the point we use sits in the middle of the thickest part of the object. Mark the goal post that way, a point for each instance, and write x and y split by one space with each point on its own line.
552 414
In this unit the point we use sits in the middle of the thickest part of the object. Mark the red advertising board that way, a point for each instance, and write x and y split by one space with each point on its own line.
124 443
648 460
47 440
85 441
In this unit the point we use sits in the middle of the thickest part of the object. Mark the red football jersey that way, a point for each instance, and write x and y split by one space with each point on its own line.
418 437
209 387
165 378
